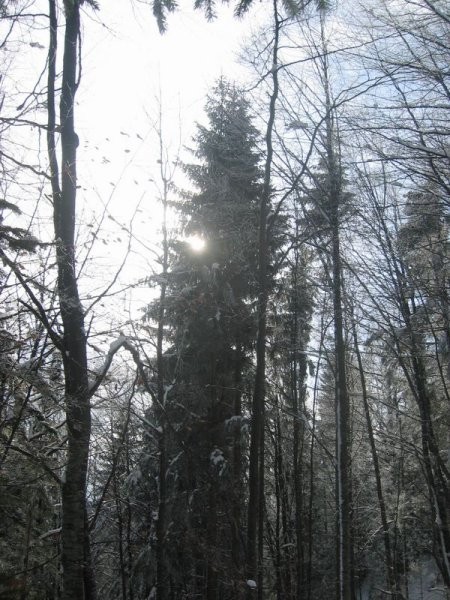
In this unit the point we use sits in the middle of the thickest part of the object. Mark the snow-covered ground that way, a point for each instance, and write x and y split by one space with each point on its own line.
424 583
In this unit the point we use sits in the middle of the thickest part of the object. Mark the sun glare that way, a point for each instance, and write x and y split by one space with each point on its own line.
196 243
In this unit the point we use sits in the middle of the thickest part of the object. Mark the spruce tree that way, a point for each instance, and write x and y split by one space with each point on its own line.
210 316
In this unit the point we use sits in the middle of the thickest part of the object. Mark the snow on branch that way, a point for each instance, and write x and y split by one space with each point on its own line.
114 347
121 342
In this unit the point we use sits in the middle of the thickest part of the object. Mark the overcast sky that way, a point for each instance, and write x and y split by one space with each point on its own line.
127 66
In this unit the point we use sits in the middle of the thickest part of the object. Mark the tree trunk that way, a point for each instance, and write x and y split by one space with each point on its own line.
391 572
436 472
78 582
161 574
236 545
342 432
342 404
256 466
211 557
298 376
161 567
278 561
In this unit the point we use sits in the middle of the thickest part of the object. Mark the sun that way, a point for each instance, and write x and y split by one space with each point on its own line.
196 242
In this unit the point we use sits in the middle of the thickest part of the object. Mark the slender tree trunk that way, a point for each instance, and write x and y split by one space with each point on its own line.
298 375
161 575
161 571
342 403
78 581
299 516
278 507
236 544
120 530
343 434
128 523
211 557
392 579
256 467
436 472
26 557
311 482
261 514
286 528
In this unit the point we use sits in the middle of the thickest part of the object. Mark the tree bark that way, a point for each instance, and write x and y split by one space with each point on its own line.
78 581
236 544
342 432
391 572
342 403
256 479
436 472
298 376
161 571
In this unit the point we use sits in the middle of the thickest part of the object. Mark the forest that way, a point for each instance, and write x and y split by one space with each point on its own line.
272 420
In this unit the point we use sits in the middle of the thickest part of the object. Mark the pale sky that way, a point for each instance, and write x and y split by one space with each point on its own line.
127 63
